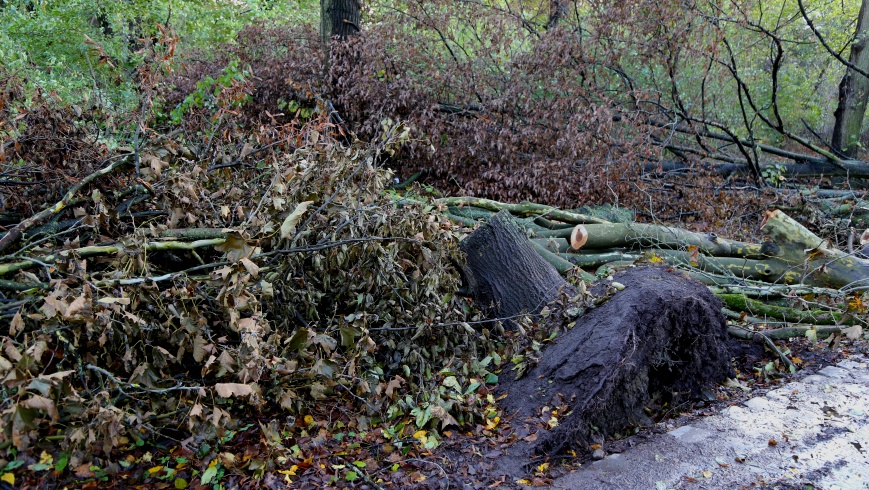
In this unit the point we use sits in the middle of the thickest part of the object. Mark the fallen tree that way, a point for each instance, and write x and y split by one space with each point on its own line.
794 283
663 336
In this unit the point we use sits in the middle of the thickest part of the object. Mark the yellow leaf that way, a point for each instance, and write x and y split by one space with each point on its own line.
45 458
8 478
707 474
309 420
155 469
524 482
419 434
543 467
493 423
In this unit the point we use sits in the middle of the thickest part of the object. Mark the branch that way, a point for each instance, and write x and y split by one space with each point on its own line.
96 250
836 55
15 233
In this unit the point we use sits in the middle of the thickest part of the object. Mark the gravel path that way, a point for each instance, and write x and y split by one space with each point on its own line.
812 431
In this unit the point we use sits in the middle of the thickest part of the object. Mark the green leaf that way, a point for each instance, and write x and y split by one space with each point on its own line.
180 483
62 461
300 339
452 382
472 388
351 476
422 416
348 335
209 474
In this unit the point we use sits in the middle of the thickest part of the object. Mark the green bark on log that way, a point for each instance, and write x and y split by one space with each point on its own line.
739 302
522 209
810 259
625 235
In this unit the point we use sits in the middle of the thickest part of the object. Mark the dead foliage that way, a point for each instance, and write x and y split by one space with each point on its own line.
175 307
543 127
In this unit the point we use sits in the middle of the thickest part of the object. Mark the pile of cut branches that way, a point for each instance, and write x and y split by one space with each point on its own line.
174 304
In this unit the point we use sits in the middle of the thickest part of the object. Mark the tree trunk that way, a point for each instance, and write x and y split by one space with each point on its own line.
810 259
853 90
661 341
506 274
338 18
557 11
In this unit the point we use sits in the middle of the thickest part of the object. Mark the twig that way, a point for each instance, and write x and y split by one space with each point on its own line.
15 233
138 387
760 337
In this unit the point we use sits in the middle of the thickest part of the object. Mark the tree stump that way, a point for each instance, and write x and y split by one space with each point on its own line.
506 275
663 337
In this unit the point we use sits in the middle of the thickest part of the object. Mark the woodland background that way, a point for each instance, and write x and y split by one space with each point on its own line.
228 259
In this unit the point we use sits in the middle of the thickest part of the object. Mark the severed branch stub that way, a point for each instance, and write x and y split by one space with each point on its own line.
662 338
578 237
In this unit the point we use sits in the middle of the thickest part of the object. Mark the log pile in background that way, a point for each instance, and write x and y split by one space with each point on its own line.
794 280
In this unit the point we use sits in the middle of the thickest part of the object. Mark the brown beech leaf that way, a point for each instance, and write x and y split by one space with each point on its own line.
227 390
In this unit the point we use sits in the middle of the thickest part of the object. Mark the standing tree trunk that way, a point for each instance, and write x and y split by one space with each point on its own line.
338 18
557 11
854 90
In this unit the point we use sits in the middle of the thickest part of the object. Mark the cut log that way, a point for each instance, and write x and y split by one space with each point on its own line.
578 237
507 276
809 259
641 235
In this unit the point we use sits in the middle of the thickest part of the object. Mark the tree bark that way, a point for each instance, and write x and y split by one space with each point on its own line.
506 274
809 259
557 11
339 18
853 90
